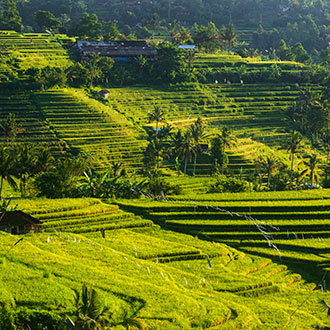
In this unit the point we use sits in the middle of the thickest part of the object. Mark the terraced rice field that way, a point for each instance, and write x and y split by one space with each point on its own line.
250 64
80 215
178 281
37 49
255 112
27 114
90 127
297 222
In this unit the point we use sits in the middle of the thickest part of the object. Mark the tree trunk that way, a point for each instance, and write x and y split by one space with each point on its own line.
1 185
195 161
312 179
185 165
291 177
268 181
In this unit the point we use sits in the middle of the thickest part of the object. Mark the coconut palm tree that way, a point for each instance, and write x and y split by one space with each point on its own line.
268 166
293 145
228 35
25 163
186 149
10 128
7 168
197 130
158 115
177 141
90 312
311 170
227 139
326 143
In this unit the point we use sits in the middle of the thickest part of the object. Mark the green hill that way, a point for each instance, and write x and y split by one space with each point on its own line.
167 275
36 49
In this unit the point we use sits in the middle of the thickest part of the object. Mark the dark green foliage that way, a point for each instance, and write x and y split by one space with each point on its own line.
62 180
88 27
159 187
10 18
7 320
78 75
169 62
46 20
206 37
230 184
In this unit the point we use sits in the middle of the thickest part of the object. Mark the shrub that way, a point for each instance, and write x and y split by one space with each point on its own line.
231 184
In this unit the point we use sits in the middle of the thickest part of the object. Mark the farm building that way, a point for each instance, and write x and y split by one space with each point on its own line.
118 50
104 93
18 222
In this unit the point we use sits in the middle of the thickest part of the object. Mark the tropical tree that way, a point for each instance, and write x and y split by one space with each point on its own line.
7 168
311 170
228 139
228 36
187 149
88 27
46 20
198 133
177 141
92 64
10 18
326 143
157 115
268 165
154 24
10 128
130 320
293 145
90 311
206 37
25 164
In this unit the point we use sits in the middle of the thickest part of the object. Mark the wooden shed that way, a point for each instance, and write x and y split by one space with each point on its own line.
104 93
18 222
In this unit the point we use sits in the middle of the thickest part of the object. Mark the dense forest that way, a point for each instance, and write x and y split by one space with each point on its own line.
263 26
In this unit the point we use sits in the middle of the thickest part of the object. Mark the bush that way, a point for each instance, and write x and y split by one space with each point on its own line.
157 186
234 185
36 319
6 319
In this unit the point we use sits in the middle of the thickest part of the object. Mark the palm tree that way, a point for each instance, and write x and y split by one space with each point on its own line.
293 146
228 36
154 25
198 132
90 312
326 143
25 163
158 115
227 139
186 149
177 141
10 127
92 65
45 160
311 170
268 165
129 320
7 168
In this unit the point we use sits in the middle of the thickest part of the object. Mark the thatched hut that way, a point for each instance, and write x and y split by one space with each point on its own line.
18 222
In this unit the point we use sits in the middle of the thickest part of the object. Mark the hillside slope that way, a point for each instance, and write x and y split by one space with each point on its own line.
177 281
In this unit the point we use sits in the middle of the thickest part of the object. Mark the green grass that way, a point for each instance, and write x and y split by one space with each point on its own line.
37 49
149 265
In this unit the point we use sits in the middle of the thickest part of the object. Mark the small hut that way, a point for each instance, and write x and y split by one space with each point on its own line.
104 93
18 222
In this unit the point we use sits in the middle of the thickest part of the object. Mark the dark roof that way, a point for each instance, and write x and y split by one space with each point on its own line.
17 218
104 91
116 48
